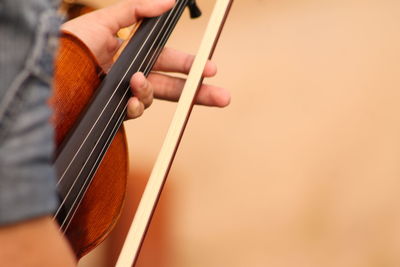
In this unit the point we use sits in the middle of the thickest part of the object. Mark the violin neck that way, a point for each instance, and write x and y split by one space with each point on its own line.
82 151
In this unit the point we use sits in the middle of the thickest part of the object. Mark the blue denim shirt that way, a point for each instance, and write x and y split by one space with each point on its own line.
28 40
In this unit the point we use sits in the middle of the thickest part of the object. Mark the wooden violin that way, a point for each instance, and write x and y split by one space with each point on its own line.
89 107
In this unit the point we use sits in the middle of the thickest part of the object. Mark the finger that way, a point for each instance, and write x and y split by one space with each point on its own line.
170 88
171 60
135 108
142 89
128 12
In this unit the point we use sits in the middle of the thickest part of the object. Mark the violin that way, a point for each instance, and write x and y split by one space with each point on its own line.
91 158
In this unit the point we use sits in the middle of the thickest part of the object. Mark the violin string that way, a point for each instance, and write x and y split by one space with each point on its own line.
105 106
119 122
163 41
121 117
77 152
85 163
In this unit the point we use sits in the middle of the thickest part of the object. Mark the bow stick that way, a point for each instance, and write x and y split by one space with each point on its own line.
151 194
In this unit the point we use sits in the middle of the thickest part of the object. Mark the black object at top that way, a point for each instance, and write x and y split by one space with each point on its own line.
195 12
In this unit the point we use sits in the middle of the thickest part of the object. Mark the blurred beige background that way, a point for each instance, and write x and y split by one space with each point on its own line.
303 168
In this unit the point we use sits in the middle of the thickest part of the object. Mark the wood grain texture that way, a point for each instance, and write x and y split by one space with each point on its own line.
77 75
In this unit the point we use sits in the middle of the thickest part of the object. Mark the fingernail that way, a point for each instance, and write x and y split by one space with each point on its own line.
211 68
142 80
222 97
134 107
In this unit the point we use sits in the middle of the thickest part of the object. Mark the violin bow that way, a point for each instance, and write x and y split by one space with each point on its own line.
151 194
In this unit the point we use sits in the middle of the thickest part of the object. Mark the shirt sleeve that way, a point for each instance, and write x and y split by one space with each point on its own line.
27 134
29 33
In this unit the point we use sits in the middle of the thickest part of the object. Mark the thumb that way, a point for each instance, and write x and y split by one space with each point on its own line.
127 12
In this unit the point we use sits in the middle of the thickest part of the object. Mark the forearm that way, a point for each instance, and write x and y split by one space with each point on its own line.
36 242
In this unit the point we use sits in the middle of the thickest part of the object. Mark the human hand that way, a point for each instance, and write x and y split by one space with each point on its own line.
98 31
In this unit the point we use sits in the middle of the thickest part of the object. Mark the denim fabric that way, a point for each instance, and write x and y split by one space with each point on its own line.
28 40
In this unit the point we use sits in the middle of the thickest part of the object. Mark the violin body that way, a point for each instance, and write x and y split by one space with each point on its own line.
91 155
77 75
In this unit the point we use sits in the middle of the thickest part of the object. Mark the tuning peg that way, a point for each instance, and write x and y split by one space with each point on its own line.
194 10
